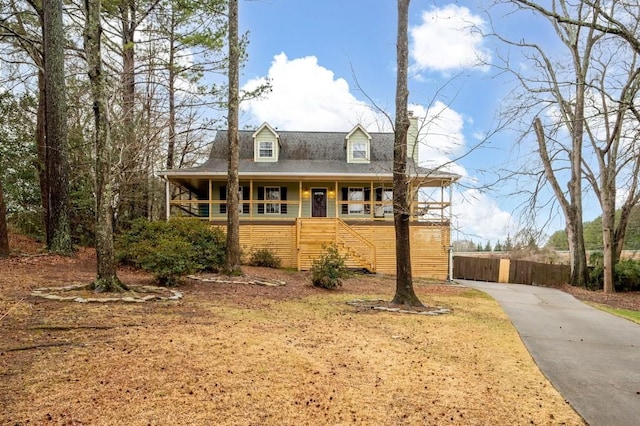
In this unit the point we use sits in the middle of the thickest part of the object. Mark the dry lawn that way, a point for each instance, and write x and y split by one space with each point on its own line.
234 354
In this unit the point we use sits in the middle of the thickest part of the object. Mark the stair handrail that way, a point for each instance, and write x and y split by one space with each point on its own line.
365 249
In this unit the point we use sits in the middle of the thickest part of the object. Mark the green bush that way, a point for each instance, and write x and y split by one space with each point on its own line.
209 243
172 249
169 259
626 276
264 257
329 270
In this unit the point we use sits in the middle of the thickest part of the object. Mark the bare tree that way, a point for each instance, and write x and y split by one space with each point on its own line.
232 261
107 279
405 294
605 115
56 129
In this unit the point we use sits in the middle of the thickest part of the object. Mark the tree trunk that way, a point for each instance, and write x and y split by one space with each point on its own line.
232 261
405 294
41 165
171 144
608 204
56 129
579 273
4 232
133 187
107 279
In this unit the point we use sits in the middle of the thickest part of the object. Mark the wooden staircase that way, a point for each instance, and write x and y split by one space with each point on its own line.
355 246
313 234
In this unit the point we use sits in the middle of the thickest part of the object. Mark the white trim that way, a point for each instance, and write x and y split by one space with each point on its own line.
305 176
259 149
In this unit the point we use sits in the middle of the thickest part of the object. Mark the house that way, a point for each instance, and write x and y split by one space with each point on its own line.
300 191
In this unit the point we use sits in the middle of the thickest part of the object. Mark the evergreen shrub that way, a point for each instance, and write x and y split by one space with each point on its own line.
626 275
330 269
171 249
264 257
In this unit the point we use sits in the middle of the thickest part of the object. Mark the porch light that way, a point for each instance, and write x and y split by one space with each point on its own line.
305 193
332 194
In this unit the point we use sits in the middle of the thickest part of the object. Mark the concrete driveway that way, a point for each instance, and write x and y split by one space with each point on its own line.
591 357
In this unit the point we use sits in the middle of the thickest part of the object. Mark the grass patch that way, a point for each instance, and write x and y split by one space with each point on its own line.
624 313
309 360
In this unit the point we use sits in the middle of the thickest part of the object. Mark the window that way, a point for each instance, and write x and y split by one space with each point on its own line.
356 194
265 149
271 199
272 193
243 194
359 150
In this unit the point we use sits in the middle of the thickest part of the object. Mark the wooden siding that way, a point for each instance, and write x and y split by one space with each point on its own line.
299 242
430 251
279 238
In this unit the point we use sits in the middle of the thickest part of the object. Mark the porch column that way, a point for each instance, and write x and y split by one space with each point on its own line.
299 199
210 200
250 199
372 197
411 201
167 198
450 240
336 202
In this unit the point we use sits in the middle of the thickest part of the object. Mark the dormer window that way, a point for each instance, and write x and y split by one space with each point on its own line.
265 149
266 144
358 145
359 150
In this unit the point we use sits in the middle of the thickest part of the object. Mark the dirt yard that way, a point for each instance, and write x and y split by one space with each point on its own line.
240 354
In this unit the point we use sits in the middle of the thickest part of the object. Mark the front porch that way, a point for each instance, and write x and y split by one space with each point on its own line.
282 200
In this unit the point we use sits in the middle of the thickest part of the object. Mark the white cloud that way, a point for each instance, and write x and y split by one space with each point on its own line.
307 96
448 39
441 138
479 216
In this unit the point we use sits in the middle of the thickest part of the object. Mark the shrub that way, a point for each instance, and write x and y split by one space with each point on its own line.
264 257
169 259
329 270
626 276
209 243
171 249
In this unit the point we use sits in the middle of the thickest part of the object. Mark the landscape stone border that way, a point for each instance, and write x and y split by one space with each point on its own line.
379 305
239 280
49 294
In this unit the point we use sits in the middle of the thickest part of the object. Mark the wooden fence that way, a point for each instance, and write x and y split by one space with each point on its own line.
476 268
512 271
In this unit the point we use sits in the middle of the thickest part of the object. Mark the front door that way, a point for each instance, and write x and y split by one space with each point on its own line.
318 202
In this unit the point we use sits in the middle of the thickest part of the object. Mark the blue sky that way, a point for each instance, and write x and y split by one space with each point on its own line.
330 61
